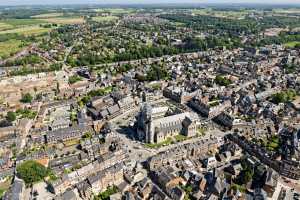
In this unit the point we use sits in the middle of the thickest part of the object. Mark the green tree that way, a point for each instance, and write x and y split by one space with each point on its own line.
27 98
223 81
284 96
31 171
11 116
74 79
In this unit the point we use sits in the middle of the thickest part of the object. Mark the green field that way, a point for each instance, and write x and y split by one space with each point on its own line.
9 47
223 14
48 15
105 19
27 30
22 22
4 26
22 26
65 20
115 10
291 44
287 11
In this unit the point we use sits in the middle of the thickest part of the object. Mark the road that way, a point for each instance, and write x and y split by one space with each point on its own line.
137 150
289 183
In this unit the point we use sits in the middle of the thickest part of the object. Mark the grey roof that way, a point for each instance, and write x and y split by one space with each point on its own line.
16 190
68 195
104 113
219 186
113 109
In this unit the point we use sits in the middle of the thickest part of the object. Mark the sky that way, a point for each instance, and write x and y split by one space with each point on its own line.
48 2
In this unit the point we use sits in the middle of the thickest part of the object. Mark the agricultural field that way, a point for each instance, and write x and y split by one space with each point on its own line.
65 20
4 26
22 22
47 15
223 14
22 26
105 19
115 10
9 47
27 30
292 44
287 11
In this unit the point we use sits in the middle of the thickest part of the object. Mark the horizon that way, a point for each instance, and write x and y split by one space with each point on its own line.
144 2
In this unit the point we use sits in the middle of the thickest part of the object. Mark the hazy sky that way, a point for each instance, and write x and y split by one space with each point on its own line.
39 2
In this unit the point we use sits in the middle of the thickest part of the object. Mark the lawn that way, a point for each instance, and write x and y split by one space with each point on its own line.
180 138
105 19
9 47
168 141
27 30
47 15
292 44
65 20
201 131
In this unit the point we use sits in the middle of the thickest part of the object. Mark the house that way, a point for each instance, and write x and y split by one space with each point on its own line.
105 178
210 162
65 134
234 169
218 188
178 94
67 195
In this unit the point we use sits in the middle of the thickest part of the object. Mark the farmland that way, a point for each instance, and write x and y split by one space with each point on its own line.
65 20
47 15
115 10
222 14
29 27
9 47
106 18
4 26
27 30
21 22
22 26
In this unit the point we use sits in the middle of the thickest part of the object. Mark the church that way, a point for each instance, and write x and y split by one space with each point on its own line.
155 126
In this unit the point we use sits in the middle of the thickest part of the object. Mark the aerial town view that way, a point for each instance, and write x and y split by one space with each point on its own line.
149 100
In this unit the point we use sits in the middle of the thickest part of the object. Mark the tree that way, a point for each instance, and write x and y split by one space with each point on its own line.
11 116
284 96
27 98
87 135
223 81
31 171
74 79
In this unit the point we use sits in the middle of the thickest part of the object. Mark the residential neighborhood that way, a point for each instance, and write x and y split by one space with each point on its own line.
150 102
